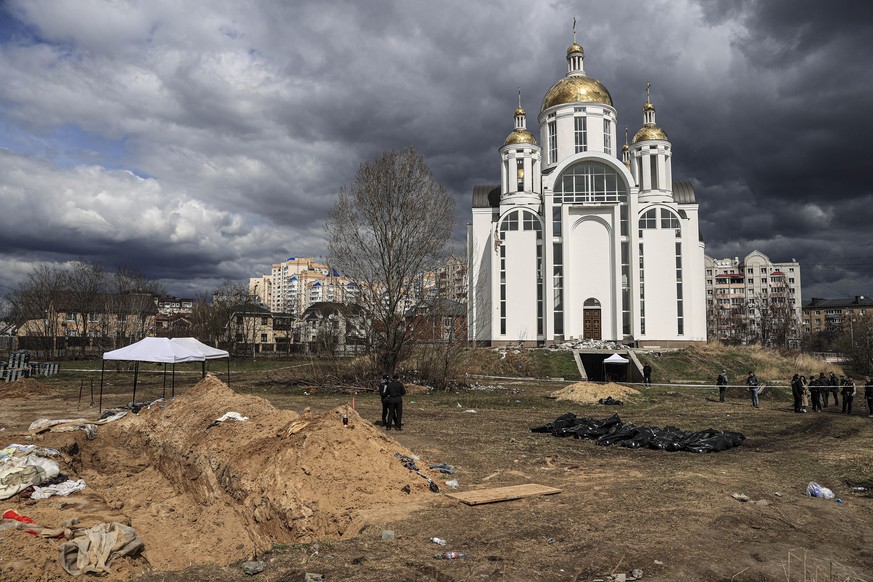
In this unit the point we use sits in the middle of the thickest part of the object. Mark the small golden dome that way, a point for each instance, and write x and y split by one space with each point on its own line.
576 89
519 135
624 148
519 111
648 107
575 48
649 132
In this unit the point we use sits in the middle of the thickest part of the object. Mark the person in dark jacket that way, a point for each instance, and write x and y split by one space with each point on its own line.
395 403
815 388
647 375
721 382
833 388
754 386
868 395
797 393
848 391
383 396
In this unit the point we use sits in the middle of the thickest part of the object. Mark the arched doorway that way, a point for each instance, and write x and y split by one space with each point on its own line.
591 319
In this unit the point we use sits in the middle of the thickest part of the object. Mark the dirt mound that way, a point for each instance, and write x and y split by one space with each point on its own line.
590 393
204 492
25 388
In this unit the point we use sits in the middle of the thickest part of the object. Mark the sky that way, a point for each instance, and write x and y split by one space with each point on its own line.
199 142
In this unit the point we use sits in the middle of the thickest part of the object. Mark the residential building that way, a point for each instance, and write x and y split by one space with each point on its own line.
333 328
583 238
438 319
753 300
298 282
828 315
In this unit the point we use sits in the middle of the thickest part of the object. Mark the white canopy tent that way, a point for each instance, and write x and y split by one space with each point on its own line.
615 360
210 353
159 350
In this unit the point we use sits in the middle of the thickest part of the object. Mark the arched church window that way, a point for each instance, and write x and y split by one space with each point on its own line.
668 219
591 302
649 219
590 181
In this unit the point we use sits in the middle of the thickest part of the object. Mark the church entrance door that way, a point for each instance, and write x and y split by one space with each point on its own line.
591 324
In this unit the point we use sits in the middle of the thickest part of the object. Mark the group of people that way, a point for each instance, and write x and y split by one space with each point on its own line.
391 393
815 391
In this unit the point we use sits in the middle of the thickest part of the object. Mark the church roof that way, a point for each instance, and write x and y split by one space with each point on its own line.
576 89
485 195
683 192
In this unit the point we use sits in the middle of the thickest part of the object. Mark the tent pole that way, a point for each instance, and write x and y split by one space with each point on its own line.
135 378
174 379
102 369
228 371
164 389
204 369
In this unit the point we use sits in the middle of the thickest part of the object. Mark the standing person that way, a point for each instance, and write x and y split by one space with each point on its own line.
804 397
815 392
868 395
753 383
722 383
647 375
395 403
833 384
383 396
848 395
797 392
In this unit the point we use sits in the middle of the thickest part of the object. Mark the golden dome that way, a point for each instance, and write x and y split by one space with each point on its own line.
575 48
575 89
648 132
648 107
519 111
519 135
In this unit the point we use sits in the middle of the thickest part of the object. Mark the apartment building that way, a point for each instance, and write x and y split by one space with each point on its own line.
820 315
753 299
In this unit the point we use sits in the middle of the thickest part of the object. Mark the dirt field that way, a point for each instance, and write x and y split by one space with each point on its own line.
669 514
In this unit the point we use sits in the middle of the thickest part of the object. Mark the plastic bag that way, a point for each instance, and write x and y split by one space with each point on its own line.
816 490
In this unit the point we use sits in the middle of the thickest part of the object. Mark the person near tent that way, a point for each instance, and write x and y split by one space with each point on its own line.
395 391
754 384
722 383
815 389
797 392
647 375
833 388
383 396
848 392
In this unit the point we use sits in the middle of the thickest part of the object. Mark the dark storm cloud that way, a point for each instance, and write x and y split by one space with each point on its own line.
242 124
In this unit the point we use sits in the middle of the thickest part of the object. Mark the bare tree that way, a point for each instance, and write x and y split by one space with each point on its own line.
37 303
389 225
86 284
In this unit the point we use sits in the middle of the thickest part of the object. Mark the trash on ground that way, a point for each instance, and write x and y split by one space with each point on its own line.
740 497
449 556
439 541
409 463
253 567
93 550
387 535
443 468
470 410
816 490
61 489
453 483
22 466
610 401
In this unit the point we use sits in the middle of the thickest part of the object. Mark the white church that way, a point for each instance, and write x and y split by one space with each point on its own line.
581 240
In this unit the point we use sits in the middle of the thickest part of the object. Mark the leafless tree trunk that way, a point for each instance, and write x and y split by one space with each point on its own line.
86 283
388 226
37 302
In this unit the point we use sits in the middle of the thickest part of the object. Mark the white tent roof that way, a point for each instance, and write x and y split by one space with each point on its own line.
155 349
195 345
615 359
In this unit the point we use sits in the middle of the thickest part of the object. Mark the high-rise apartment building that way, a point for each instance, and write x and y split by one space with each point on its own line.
753 300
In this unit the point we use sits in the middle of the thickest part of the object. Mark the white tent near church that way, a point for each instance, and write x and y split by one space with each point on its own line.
615 360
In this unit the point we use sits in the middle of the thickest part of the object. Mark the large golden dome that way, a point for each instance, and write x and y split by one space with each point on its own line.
575 89
648 132
520 135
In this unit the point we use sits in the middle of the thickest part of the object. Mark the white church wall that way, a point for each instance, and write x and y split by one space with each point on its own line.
521 285
590 260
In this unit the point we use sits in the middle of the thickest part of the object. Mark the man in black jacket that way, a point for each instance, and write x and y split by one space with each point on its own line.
797 393
395 403
722 383
833 384
383 396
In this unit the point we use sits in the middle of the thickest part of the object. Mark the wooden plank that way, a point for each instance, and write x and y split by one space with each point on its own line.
496 494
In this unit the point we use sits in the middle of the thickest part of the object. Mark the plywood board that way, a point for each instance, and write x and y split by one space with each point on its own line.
496 494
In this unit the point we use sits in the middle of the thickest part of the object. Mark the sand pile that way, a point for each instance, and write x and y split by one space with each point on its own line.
590 393
200 494
25 388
